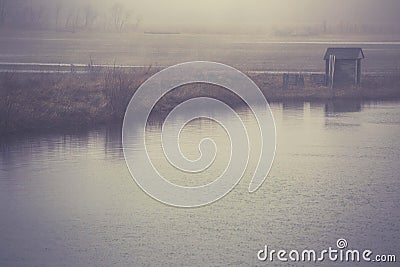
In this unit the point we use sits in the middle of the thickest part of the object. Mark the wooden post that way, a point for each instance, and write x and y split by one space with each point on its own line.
332 63
356 74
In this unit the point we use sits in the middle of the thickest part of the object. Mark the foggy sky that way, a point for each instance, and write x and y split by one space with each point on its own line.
239 12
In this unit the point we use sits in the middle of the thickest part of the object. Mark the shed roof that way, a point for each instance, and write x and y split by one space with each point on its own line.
344 53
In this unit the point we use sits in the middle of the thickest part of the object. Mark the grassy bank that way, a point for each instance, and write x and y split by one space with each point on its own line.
373 87
37 101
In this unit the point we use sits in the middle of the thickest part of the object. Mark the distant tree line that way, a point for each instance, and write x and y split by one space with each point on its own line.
66 15
342 28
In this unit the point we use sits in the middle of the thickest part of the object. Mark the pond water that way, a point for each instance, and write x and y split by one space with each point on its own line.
68 199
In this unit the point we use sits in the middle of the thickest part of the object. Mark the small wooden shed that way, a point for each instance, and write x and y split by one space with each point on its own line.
343 66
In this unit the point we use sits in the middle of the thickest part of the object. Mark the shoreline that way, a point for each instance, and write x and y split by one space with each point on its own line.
49 101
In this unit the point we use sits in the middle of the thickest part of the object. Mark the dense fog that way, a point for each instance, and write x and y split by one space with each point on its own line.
307 16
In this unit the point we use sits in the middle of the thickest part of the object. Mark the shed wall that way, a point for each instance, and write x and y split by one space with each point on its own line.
345 72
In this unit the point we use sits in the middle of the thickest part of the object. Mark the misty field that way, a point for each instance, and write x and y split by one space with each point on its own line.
58 99
245 52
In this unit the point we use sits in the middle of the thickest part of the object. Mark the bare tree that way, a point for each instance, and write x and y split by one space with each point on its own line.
75 23
138 22
119 16
68 18
72 19
35 14
58 11
74 16
3 8
90 16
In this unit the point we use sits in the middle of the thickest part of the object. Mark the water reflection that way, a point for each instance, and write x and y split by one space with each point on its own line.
22 148
68 199
293 108
113 142
342 106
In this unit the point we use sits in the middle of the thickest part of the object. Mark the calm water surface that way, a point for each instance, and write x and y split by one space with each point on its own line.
69 200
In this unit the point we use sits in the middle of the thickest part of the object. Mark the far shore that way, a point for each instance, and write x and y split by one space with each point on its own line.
40 101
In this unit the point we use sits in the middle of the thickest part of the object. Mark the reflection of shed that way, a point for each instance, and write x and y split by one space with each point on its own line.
343 66
342 105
